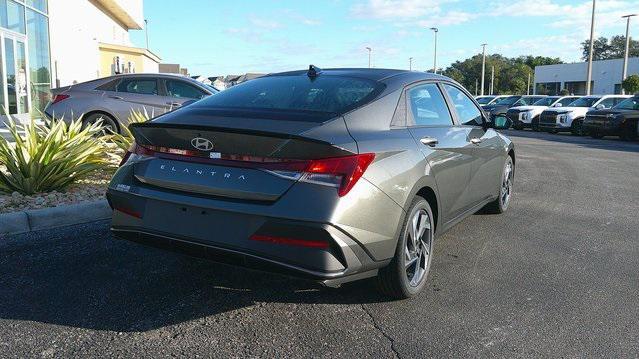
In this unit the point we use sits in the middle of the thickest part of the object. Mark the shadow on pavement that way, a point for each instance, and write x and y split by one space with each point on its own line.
608 143
83 278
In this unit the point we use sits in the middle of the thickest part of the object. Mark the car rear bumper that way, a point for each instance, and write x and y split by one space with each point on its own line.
251 240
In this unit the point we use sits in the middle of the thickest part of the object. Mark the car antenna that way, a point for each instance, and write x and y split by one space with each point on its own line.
313 71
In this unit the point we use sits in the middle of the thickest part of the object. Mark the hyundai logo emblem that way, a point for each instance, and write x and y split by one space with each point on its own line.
202 144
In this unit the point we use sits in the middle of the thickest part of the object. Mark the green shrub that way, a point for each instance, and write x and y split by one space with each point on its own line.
48 158
631 84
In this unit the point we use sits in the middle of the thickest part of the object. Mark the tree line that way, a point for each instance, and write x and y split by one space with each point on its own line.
511 73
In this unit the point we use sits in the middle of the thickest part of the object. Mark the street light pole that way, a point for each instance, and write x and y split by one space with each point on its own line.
435 31
146 30
592 35
369 56
410 64
483 68
625 57
492 80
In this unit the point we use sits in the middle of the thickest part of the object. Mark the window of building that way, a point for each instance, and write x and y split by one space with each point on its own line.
467 112
39 60
181 89
12 16
40 5
428 107
548 88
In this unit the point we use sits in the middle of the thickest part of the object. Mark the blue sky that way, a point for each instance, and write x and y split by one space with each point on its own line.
229 37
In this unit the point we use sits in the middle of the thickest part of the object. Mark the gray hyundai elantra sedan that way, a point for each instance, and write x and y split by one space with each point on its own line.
333 175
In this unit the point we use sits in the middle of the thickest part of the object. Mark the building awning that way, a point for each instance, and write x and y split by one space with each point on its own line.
128 12
130 50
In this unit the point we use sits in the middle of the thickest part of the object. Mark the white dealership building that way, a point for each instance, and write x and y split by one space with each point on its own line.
606 77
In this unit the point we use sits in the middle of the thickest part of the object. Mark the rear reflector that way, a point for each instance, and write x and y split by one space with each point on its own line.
59 97
129 212
339 172
290 241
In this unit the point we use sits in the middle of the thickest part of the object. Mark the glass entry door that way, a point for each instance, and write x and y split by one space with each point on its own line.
14 81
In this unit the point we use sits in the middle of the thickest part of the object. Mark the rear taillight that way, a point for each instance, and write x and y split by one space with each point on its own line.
339 172
59 97
291 241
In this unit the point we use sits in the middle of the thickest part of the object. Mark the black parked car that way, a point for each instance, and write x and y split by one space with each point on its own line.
621 120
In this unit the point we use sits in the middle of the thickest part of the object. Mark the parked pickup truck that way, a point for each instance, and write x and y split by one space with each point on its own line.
499 107
528 116
571 118
620 120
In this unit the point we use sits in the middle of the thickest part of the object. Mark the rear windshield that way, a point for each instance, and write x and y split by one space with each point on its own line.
325 95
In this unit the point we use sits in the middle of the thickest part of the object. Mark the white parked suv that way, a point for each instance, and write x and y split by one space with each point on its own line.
528 116
570 118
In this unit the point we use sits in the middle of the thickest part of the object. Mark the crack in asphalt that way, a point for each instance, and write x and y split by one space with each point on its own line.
379 328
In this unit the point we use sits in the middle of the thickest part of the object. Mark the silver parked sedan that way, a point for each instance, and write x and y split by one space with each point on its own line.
334 175
113 98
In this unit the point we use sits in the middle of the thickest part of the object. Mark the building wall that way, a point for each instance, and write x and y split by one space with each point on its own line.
605 74
142 59
77 27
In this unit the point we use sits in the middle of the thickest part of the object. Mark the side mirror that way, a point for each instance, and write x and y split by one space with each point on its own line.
500 122
600 107
558 104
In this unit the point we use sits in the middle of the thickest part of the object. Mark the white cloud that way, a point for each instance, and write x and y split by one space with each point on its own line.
397 9
264 24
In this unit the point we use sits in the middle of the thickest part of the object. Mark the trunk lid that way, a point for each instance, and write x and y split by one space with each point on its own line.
249 158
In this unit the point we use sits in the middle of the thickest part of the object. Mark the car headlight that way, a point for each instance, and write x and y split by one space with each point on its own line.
525 116
562 118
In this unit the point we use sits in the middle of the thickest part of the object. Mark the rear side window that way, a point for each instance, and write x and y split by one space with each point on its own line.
181 89
329 95
428 107
109 86
467 112
139 86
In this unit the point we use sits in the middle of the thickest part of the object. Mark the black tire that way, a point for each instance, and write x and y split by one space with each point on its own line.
518 127
393 280
500 205
109 124
534 124
630 132
577 128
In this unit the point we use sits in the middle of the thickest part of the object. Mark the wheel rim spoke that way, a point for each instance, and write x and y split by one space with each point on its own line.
417 248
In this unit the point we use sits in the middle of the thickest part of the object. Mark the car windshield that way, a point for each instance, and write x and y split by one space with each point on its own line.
584 102
485 100
546 101
628 104
510 100
328 95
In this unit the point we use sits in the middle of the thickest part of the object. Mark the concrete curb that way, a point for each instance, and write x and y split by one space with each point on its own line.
46 218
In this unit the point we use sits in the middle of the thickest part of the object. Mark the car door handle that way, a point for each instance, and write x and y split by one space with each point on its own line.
116 97
174 104
429 141
475 141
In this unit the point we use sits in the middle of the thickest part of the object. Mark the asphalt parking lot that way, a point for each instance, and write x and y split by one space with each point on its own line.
558 275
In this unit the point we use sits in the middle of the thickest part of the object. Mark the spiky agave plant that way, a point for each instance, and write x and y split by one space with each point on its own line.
48 158
124 139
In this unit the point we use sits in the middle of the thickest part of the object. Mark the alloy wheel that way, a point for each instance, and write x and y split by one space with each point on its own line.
418 247
507 184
